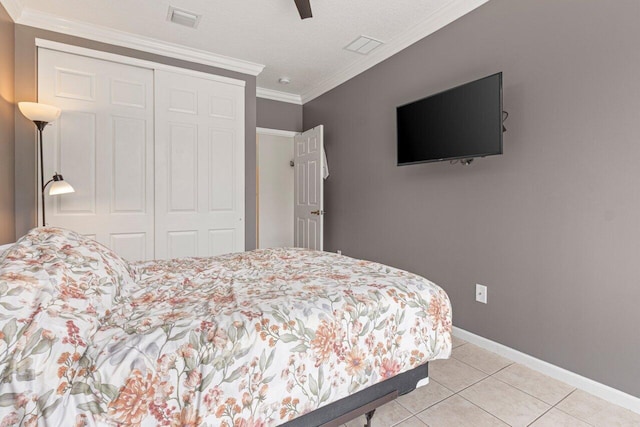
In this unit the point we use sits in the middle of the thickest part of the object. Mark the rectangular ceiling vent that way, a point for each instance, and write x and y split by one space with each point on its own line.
183 17
363 45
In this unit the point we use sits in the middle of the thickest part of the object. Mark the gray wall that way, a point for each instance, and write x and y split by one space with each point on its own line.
7 218
552 227
279 115
26 90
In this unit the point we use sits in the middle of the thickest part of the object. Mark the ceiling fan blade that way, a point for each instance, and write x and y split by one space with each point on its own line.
304 8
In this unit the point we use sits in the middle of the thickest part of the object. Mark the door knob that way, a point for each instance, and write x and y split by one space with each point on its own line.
318 212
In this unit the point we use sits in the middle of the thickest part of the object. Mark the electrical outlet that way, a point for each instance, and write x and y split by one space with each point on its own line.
481 293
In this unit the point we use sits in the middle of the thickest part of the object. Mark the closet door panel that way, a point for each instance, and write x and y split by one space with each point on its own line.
103 146
221 170
73 153
199 166
133 244
129 165
182 170
221 241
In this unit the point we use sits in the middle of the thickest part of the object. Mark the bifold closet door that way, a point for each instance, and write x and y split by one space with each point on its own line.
199 165
103 146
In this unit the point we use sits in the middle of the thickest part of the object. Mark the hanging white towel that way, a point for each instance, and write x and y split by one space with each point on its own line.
325 165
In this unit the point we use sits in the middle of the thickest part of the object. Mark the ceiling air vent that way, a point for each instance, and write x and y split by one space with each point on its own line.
363 45
183 17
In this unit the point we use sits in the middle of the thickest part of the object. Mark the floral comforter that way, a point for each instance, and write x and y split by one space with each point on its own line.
249 339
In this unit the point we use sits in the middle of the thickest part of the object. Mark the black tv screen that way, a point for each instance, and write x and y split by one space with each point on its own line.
459 123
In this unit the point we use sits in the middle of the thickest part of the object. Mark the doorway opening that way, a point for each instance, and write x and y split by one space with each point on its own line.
275 188
290 172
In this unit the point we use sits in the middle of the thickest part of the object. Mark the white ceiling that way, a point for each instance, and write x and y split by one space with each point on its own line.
268 32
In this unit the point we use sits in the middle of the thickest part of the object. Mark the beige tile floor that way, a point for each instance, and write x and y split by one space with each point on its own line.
477 388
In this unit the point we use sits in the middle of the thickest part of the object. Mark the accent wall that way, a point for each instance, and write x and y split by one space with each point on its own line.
552 227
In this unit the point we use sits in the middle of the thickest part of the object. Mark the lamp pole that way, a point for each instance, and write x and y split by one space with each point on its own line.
41 115
40 125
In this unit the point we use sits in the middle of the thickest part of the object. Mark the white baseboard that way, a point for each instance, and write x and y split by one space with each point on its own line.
583 383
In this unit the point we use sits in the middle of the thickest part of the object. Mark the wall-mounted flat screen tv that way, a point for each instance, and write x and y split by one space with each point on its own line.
459 123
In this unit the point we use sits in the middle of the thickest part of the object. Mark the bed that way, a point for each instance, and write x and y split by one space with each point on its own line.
261 338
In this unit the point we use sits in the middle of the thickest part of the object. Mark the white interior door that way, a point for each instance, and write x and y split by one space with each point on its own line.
308 188
103 146
199 165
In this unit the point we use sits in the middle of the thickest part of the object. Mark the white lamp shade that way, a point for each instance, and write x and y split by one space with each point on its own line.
39 112
60 187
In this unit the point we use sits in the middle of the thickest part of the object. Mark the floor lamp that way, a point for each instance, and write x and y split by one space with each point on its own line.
41 115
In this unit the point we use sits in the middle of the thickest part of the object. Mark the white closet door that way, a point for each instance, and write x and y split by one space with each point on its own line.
103 145
199 166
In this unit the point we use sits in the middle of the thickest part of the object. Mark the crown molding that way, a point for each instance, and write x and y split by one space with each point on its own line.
13 8
277 95
440 18
136 62
55 23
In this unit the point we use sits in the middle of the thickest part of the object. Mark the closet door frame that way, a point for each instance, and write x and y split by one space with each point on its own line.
154 67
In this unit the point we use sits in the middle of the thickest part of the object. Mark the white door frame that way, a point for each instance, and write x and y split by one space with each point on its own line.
125 60
273 132
276 132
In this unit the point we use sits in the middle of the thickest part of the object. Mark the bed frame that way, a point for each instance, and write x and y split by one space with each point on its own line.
363 402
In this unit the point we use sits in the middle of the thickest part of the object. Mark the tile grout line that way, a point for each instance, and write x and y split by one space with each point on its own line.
457 393
415 414
404 419
511 362
551 406
484 410
470 385
502 369
433 404
616 397
529 394
400 422
564 412
540 416
510 385
565 398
